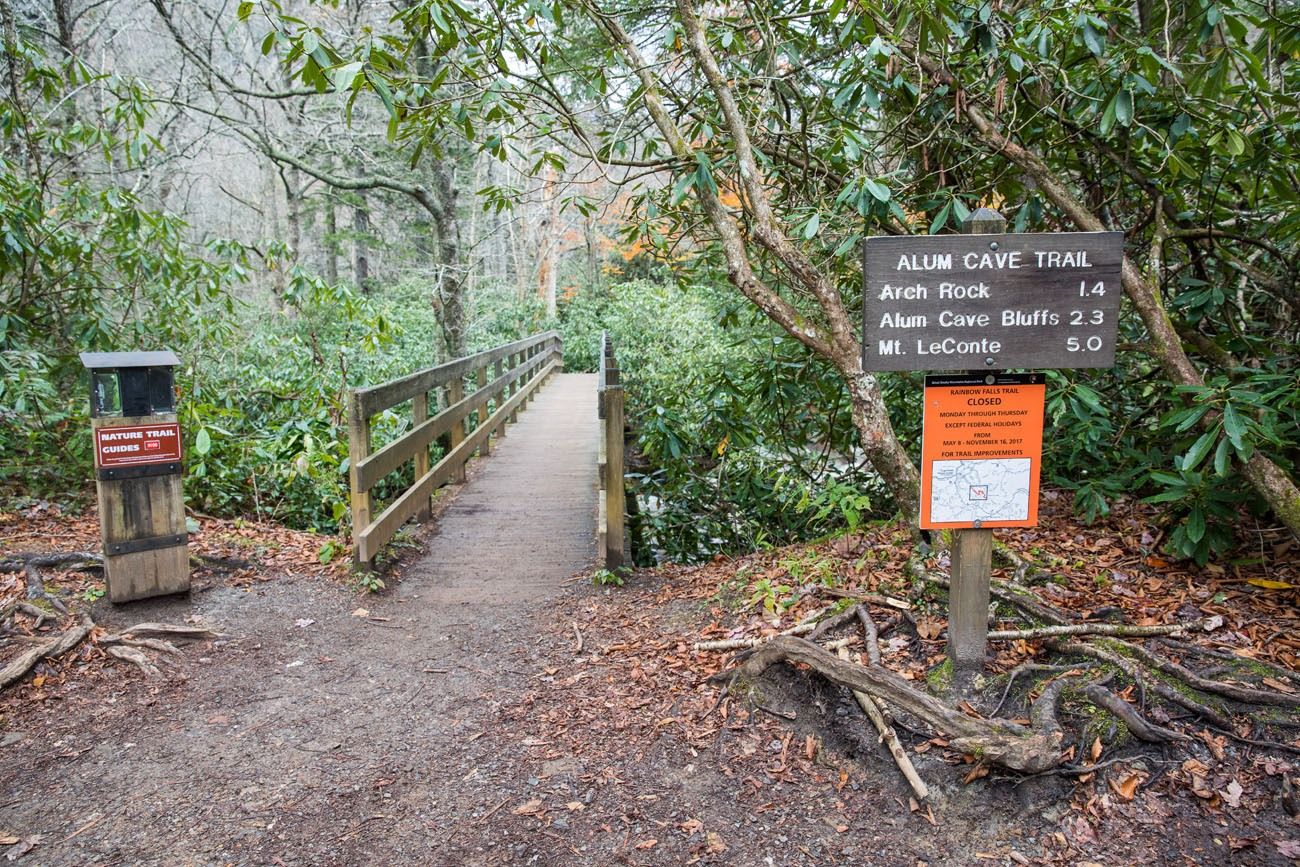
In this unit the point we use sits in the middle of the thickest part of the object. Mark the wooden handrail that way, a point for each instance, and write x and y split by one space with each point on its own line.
531 361
609 407
375 399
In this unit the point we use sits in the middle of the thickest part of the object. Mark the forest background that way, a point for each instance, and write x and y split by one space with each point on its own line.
303 198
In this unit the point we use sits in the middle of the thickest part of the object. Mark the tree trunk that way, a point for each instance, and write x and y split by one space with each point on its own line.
360 247
293 210
885 453
593 253
271 227
548 244
451 285
331 244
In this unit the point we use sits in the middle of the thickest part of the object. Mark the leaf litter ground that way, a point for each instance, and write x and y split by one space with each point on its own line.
580 727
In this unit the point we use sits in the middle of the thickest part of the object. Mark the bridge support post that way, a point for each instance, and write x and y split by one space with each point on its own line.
614 492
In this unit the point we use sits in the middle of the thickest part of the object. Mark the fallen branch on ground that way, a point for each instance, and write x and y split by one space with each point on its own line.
1013 594
889 738
872 598
1110 629
747 643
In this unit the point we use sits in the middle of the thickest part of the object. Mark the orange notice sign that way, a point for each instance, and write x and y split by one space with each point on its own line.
981 450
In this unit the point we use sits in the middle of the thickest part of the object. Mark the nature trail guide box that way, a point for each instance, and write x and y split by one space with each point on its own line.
138 473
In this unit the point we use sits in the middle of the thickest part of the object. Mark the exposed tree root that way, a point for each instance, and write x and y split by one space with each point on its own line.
996 741
1186 647
1042 713
169 630
1134 671
146 643
136 657
1244 694
832 622
80 560
1026 668
1032 748
871 633
1141 728
70 638
129 645
32 563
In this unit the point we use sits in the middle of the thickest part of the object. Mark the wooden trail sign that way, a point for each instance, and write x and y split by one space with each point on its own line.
991 302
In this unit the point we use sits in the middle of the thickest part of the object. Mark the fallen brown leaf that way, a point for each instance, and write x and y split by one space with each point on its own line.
1126 789
529 808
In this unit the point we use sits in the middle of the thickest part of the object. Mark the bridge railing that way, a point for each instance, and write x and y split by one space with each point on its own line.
463 388
610 463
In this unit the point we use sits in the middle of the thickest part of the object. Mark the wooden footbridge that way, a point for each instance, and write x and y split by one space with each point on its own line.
544 494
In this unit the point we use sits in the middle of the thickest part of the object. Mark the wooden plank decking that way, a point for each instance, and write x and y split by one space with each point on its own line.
527 517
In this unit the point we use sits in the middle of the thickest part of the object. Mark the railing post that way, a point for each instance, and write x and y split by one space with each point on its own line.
532 395
358 450
419 415
513 387
614 502
502 392
455 394
481 415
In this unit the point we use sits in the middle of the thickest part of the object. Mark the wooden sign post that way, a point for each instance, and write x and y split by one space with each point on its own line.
138 474
972 552
983 302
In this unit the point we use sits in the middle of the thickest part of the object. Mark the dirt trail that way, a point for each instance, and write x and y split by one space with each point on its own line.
314 736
